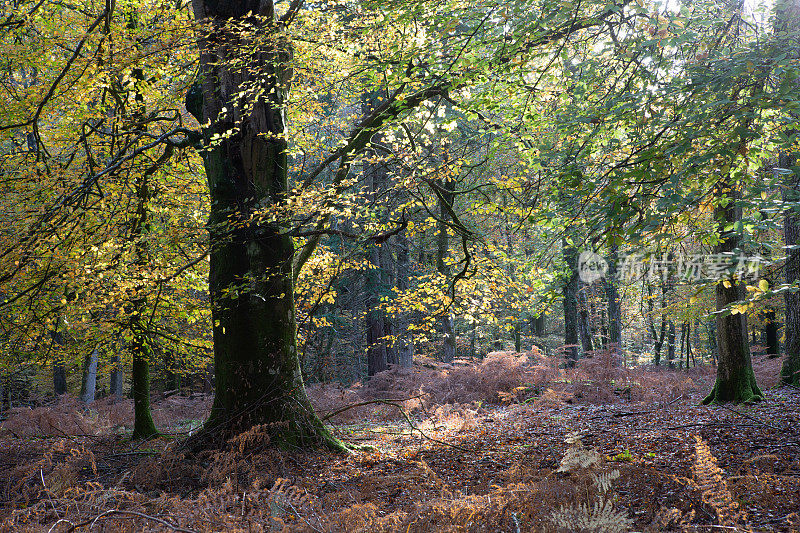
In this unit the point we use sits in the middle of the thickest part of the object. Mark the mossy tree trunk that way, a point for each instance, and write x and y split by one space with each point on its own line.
140 344
245 82
736 381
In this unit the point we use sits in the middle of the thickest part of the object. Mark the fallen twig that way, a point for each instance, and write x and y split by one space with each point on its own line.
110 512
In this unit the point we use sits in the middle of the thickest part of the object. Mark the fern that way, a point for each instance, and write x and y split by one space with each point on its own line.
714 489
578 457
596 514
601 517
603 480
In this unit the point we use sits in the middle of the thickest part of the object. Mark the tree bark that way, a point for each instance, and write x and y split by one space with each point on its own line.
405 339
787 24
116 378
258 378
614 310
671 345
736 381
570 255
59 368
89 386
771 327
377 360
539 324
583 320
59 378
446 320
790 370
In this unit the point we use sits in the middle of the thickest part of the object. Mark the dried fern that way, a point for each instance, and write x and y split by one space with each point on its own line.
714 489
578 457
604 480
596 514
601 517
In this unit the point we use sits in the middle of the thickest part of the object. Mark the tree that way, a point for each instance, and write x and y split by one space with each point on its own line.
245 69
787 27
571 283
257 370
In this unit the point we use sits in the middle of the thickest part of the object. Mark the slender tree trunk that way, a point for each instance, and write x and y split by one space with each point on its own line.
570 255
443 248
5 392
583 320
245 86
116 378
712 341
405 341
89 386
376 346
687 334
671 345
59 368
614 310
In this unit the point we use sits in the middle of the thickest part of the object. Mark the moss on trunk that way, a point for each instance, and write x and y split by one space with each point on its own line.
736 381
257 370
143 425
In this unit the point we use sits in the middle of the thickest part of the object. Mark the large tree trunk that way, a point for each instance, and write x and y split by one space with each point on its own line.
790 371
140 344
538 325
380 352
59 378
570 255
771 327
143 425
736 381
245 84
787 24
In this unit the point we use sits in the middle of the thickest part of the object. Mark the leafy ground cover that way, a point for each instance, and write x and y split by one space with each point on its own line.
511 443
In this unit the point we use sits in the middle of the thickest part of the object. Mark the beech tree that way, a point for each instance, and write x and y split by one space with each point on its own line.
787 29
246 62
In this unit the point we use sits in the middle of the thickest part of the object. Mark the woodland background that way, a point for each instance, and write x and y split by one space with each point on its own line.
242 238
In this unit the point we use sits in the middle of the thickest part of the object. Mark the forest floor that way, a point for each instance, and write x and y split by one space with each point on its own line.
509 444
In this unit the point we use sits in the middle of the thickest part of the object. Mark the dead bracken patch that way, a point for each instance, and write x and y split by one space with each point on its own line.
540 452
